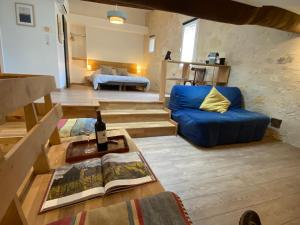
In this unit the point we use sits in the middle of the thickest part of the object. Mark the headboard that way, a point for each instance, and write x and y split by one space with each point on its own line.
96 64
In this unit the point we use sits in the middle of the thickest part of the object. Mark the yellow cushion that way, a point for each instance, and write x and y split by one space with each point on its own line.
215 102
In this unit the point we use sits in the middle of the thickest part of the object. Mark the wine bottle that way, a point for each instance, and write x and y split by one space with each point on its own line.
100 131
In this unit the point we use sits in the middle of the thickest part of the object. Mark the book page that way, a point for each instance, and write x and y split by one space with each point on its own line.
127 169
73 183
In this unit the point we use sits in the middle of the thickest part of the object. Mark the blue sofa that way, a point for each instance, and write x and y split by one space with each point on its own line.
208 129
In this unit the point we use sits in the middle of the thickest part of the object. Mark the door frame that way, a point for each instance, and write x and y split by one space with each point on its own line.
66 51
1 54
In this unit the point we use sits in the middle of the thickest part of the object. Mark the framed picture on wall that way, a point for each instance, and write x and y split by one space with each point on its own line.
25 14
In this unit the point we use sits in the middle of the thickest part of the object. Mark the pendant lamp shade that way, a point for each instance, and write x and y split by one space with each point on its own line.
117 16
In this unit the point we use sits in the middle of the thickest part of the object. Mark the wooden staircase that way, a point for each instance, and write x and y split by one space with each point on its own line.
140 119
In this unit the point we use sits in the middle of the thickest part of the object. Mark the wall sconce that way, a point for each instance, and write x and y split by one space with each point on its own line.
89 67
138 69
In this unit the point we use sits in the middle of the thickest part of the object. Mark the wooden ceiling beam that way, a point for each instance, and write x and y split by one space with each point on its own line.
225 11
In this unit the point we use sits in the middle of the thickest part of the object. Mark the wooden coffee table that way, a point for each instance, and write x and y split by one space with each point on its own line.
56 155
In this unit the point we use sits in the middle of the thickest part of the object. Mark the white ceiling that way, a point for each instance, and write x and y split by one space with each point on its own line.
292 5
92 9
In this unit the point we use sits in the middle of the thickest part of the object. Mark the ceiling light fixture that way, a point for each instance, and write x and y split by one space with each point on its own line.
117 16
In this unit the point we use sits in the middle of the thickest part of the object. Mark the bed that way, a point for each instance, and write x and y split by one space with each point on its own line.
100 79
114 73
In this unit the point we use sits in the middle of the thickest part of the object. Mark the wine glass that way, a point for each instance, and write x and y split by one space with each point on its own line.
89 148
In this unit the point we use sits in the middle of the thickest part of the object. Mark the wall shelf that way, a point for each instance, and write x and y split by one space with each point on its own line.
220 74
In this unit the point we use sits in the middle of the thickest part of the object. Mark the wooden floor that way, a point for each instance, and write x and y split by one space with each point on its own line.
86 95
217 185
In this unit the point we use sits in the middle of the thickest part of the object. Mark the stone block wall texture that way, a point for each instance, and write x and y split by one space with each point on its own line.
167 28
265 64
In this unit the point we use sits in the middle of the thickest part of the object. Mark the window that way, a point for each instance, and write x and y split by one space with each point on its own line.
151 47
188 40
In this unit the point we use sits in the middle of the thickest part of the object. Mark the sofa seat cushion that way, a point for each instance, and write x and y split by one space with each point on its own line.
211 128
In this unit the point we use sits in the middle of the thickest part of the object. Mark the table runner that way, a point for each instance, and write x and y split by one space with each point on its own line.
165 208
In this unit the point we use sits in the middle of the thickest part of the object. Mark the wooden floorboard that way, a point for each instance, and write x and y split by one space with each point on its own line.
218 184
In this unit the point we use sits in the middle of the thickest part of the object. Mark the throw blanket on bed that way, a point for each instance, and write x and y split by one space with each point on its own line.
163 209
76 127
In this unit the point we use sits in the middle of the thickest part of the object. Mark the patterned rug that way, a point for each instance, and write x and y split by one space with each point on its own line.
165 208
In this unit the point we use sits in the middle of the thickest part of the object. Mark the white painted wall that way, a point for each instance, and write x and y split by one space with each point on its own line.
78 45
115 46
78 42
31 49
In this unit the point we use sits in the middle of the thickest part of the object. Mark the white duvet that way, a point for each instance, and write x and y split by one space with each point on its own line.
104 79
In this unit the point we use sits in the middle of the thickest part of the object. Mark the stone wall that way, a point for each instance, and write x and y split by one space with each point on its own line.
265 64
167 28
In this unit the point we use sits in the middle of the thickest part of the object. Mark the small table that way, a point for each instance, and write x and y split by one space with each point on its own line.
56 155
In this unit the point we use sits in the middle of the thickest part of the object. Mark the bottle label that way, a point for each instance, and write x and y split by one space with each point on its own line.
101 136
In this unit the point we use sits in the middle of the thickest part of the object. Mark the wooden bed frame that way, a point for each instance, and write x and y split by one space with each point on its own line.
96 64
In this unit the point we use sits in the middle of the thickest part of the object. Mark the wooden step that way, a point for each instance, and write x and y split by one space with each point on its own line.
131 115
137 105
15 130
146 129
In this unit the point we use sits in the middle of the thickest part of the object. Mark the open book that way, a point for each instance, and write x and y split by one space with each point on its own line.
96 177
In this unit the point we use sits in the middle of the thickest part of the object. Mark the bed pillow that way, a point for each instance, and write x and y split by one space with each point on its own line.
122 71
96 72
107 70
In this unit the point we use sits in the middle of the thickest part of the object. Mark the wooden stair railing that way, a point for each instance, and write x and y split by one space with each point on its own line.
18 91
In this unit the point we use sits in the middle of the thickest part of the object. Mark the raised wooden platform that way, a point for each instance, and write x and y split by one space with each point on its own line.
123 116
139 118
146 129
137 105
